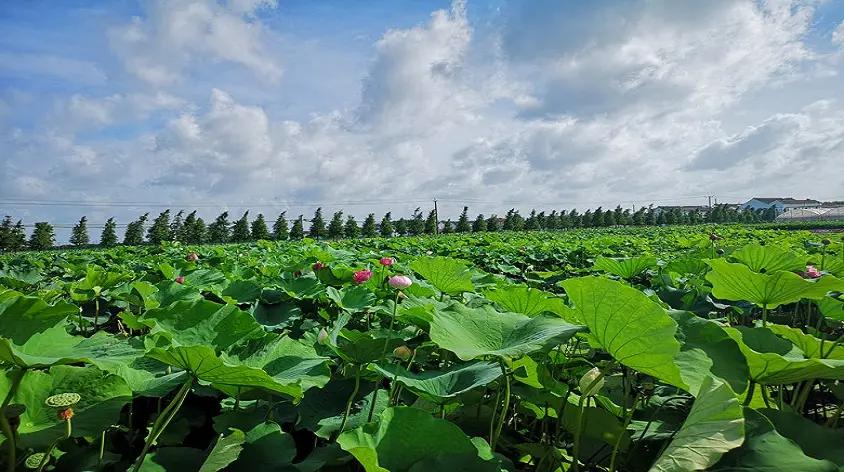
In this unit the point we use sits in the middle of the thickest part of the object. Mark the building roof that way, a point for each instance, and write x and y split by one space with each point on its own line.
787 200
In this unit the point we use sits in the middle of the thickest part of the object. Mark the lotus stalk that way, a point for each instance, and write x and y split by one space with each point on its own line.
383 356
352 400
504 409
64 403
627 419
5 427
590 389
163 420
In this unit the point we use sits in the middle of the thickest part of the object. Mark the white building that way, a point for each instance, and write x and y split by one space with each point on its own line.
781 204
812 214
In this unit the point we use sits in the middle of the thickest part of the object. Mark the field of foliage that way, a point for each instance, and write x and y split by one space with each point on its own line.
649 349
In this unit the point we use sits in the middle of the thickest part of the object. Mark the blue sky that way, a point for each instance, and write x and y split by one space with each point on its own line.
370 106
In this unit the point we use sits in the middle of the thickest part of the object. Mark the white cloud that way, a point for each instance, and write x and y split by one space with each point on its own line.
22 65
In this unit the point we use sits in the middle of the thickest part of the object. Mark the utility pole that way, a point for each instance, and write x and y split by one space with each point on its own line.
436 218
709 197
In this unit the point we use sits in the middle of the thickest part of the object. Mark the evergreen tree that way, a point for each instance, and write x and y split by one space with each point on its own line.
317 230
335 227
416 226
598 217
508 220
618 215
177 227
531 223
448 227
463 225
200 231
108 238
626 217
660 218
188 228
218 230
479 225
650 216
259 229
280 232
79 234
351 230
6 233
518 222
240 229
297 231
586 219
134 235
770 214
368 229
492 223
42 237
401 227
639 217
386 228
431 223
564 220
160 229
575 219
542 220
609 218
17 240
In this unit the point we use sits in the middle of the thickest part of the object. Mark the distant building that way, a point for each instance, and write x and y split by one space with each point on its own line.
781 204
699 209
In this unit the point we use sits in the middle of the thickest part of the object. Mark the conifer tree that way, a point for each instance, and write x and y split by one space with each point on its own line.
177 227
575 219
79 234
541 220
369 230
134 235
401 227
297 231
6 233
317 230
259 229
609 219
351 230
448 227
108 238
597 217
199 232
160 229
218 230
17 240
479 225
431 223
335 226
463 225
42 237
552 221
188 229
240 229
492 224
280 231
518 222
386 228
532 224
416 226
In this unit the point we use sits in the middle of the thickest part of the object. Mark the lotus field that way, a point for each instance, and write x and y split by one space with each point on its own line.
654 349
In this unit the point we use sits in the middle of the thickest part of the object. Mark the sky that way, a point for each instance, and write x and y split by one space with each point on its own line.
115 108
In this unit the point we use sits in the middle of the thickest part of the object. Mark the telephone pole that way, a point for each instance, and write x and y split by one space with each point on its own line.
709 197
436 218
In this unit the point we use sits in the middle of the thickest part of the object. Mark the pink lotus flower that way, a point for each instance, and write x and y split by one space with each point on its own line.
180 280
322 336
714 237
812 272
193 257
362 276
298 273
400 281
318 266
386 261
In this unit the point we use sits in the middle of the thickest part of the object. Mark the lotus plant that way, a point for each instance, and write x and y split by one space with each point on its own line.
63 404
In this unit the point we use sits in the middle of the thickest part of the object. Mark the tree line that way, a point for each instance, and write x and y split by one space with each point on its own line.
191 229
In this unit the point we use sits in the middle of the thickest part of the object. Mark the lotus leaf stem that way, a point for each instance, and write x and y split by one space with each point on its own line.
67 434
628 418
764 315
383 356
492 416
751 391
581 405
163 420
504 409
352 400
4 423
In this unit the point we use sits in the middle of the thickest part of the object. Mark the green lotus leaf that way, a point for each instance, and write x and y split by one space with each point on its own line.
626 268
102 396
353 298
278 316
816 440
598 424
266 448
204 323
525 300
632 328
170 292
686 265
19 279
226 450
456 463
403 437
810 345
23 317
242 291
706 350
768 259
834 266
207 280
738 283
714 426
831 308
55 346
203 363
142 294
773 360
449 276
473 332
766 450
168 459
440 386
302 287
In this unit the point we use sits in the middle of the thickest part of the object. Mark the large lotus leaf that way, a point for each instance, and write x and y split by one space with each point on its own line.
204 323
96 280
598 424
834 266
266 448
103 395
358 347
626 268
773 360
449 276
242 291
302 287
738 283
171 292
204 364
705 350
686 265
145 376
403 437
288 361
831 308
19 279
768 259
810 345
714 426
526 300
816 441
226 450
441 385
765 450
631 327
142 294
168 459
55 346
473 332
456 463
352 298
277 316
207 280
23 317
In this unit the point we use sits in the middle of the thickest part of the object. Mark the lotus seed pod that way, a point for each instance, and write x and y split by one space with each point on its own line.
587 380
403 353
63 400
34 461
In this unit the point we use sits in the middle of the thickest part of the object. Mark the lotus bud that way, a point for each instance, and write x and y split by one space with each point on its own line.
403 352
362 276
826 242
812 272
193 257
298 273
34 460
720 252
714 237
318 266
180 279
322 336
587 380
386 261
400 281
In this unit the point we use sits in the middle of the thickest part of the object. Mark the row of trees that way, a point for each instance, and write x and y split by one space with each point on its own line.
190 229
